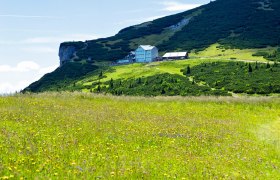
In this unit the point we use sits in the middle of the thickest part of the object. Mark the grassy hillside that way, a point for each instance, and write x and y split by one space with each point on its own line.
170 78
217 51
80 136
61 78
209 78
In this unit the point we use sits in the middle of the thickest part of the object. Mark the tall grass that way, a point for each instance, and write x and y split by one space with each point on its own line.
83 136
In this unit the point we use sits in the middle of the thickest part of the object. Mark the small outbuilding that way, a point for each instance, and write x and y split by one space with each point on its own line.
175 55
124 61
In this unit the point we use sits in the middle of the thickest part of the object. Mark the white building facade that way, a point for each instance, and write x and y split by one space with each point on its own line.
146 53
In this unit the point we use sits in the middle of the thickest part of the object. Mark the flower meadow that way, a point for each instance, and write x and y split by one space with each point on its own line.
87 136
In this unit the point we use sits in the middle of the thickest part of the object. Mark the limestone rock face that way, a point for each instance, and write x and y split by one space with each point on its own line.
66 53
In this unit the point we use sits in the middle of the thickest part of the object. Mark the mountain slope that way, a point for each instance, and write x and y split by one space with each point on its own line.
222 24
182 77
232 23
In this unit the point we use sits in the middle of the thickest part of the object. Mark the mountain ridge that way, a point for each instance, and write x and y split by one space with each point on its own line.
232 24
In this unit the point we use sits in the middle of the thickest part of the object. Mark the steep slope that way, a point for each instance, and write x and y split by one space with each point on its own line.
232 23
61 77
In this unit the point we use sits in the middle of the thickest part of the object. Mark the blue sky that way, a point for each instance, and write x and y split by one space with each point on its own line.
31 30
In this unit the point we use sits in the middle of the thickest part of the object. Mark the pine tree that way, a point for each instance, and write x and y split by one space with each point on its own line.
111 85
250 69
98 88
256 67
139 81
100 74
188 70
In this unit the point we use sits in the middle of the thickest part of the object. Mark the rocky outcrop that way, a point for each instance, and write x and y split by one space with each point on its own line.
66 53
180 25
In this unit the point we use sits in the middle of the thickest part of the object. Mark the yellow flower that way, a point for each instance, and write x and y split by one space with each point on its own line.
112 173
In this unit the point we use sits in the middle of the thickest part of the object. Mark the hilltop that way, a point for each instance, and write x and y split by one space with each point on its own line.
232 23
223 30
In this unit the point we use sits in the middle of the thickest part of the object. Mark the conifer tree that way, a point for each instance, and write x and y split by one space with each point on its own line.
188 70
98 88
111 85
250 69
256 67
100 74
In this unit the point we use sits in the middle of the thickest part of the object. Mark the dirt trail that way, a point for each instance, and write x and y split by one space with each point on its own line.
75 56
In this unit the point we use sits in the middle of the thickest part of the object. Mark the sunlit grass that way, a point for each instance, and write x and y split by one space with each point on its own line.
144 70
241 54
211 54
83 136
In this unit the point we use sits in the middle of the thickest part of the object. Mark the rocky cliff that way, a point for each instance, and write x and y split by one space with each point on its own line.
68 51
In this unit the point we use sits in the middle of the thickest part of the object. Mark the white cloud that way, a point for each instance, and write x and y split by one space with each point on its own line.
5 68
24 73
169 6
141 20
29 16
8 87
23 66
51 39
27 66
48 40
39 50
172 6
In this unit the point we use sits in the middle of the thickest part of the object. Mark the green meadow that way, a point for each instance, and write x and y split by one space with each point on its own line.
219 52
145 70
87 136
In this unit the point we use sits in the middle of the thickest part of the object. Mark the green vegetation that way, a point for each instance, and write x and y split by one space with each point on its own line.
157 85
272 56
214 31
217 51
251 27
239 77
83 136
78 76
183 77
209 78
61 78
254 26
